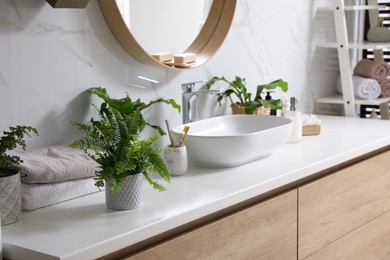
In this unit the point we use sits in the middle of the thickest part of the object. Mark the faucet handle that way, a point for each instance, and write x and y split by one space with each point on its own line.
189 86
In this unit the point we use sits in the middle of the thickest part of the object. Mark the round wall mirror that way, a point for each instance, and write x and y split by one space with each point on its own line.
148 27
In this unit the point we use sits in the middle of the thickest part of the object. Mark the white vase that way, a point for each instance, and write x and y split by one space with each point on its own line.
10 199
128 196
176 160
1 242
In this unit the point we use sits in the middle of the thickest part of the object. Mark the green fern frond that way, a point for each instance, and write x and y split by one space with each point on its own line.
157 165
155 185
9 141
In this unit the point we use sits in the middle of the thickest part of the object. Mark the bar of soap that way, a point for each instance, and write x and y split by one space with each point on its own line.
162 56
184 58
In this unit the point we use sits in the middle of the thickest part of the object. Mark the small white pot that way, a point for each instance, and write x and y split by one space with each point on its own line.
10 199
128 197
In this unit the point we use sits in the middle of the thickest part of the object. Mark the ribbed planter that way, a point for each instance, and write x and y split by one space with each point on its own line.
128 197
10 199
238 110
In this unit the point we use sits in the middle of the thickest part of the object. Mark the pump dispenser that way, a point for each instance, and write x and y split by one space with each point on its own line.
296 117
269 97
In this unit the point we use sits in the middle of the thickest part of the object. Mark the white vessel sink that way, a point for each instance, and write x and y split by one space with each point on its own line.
233 140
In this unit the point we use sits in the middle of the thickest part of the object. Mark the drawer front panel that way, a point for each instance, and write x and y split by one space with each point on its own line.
339 203
265 231
371 241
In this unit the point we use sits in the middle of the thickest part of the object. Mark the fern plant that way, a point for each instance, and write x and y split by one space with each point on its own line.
127 107
250 102
113 142
8 142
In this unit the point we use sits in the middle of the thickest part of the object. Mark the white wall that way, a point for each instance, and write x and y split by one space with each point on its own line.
48 57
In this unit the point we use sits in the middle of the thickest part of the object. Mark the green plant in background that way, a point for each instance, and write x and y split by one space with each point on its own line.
238 88
115 143
8 142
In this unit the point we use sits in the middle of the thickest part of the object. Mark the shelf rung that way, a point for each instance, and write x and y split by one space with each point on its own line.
338 99
355 8
358 45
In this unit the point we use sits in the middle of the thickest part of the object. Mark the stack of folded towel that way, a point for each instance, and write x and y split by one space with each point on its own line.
364 88
370 79
55 174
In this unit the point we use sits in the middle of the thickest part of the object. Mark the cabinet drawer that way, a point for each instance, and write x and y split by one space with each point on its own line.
265 231
370 241
339 203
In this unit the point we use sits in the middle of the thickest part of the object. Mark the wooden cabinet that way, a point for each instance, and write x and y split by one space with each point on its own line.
344 215
267 230
334 206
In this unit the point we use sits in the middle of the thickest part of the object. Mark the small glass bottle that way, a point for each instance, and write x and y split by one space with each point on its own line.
296 117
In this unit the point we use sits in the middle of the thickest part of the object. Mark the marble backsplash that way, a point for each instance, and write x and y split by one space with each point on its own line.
49 57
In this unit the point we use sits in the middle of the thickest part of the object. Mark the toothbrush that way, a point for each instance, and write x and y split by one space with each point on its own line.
183 135
170 134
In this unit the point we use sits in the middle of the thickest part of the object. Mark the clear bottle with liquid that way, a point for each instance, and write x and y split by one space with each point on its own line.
296 117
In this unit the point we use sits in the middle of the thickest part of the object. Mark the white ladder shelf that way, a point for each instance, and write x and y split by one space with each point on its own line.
343 45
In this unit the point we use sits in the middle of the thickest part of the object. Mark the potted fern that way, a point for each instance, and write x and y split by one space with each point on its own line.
10 187
113 141
248 103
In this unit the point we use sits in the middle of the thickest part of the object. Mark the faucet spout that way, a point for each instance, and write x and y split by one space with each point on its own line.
189 96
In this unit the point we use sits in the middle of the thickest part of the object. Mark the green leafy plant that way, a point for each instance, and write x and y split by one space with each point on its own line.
8 142
250 102
127 107
113 141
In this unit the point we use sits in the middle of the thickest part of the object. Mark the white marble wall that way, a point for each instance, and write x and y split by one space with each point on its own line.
48 57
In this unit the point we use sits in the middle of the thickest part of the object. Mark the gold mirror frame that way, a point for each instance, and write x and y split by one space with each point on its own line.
205 45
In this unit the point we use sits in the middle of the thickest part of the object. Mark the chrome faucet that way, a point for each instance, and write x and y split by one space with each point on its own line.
189 96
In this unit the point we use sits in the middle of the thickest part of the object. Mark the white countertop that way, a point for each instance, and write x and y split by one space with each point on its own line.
84 229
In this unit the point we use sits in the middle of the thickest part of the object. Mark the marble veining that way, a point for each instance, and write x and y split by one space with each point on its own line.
51 56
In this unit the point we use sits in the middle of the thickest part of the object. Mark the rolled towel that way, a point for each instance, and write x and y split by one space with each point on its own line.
385 87
36 196
372 69
364 88
54 164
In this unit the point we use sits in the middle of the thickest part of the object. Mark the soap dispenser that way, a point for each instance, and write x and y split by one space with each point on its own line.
269 97
296 117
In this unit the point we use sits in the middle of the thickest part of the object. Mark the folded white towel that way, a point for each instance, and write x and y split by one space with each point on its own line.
365 88
36 196
54 164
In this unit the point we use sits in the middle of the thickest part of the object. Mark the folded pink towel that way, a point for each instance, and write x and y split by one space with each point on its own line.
54 164
36 196
385 87
372 69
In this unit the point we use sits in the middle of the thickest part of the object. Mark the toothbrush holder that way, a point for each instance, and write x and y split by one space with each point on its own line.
176 159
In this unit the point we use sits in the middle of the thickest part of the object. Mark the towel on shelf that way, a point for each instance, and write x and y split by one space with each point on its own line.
54 164
364 88
385 87
377 70
36 196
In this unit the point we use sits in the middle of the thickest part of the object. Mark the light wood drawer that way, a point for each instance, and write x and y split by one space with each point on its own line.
337 204
265 231
371 241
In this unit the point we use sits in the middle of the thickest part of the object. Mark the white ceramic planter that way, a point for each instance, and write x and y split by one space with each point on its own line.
128 197
10 199
1 242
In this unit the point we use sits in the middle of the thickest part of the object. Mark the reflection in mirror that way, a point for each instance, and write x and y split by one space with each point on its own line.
164 26
209 29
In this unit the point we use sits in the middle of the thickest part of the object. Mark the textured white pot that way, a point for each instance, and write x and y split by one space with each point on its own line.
1 242
128 197
10 199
